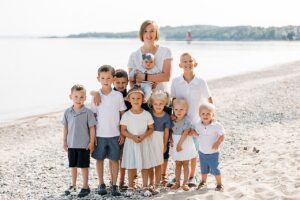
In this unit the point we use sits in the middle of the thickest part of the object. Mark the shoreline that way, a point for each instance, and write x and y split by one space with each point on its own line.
260 110
11 120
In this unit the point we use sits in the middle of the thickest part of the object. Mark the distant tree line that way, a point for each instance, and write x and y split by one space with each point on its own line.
211 33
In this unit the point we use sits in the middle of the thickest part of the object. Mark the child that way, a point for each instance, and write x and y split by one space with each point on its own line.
108 129
211 135
160 137
79 138
195 91
183 146
120 84
149 67
137 126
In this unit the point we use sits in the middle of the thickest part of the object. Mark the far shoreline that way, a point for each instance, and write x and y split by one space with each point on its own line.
11 121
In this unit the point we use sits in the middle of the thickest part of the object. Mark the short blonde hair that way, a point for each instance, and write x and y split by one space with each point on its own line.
187 54
208 106
159 95
144 26
180 101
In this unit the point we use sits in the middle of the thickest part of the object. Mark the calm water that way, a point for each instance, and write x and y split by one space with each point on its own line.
36 74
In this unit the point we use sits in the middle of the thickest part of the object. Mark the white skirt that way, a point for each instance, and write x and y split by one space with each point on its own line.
132 155
157 148
188 149
143 155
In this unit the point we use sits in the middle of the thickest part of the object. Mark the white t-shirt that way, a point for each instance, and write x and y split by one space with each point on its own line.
137 124
195 93
208 135
162 53
108 114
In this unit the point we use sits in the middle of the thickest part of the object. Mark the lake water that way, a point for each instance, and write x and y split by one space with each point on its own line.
37 74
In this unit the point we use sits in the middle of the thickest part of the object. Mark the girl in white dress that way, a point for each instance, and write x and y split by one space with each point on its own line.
183 146
137 126
160 137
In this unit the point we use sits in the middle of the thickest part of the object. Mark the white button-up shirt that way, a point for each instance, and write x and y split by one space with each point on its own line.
195 93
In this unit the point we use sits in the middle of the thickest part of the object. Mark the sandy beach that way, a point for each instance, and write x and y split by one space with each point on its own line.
260 158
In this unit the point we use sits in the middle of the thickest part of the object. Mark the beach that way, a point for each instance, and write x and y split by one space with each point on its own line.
260 157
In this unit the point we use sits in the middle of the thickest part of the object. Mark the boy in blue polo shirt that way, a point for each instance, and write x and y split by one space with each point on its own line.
79 138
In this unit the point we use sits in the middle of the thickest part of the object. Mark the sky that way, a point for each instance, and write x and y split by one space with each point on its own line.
64 17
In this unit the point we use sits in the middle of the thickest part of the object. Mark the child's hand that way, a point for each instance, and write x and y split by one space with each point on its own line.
96 98
179 148
136 139
121 139
216 145
65 146
91 147
193 133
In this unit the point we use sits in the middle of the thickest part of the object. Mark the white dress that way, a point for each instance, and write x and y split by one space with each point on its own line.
137 155
188 147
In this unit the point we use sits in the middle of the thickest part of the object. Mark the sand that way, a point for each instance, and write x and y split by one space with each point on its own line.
260 158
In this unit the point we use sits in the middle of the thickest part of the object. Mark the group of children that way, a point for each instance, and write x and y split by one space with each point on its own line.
139 136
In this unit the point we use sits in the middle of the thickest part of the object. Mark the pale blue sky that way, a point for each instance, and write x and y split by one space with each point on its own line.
63 17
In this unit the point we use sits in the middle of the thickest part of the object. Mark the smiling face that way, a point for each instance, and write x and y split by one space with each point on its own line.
158 105
106 79
149 34
78 98
121 83
187 63
206 116
136 99
180 110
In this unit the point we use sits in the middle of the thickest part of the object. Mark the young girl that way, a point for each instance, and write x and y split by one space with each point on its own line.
160 136
137 126
183 146
211 135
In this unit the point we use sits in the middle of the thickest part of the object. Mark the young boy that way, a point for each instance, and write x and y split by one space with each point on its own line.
108 128
195 91
211 135
120 84
79 138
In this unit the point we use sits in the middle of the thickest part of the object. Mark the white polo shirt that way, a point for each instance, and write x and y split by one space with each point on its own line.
195 93
208 135
108 114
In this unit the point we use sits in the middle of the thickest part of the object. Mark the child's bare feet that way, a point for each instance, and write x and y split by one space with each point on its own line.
185 187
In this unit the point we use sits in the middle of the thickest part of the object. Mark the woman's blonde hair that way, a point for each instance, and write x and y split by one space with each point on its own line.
159 95
144 26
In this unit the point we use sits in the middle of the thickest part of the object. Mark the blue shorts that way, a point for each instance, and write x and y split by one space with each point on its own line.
209 163
107 148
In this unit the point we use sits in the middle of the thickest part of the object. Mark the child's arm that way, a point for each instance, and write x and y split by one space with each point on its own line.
92 139
121 138
166 138
126 134
65 144
96 97
218 142
182 139
193 133
148 132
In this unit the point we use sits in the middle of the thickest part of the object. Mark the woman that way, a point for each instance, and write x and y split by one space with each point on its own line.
149 34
